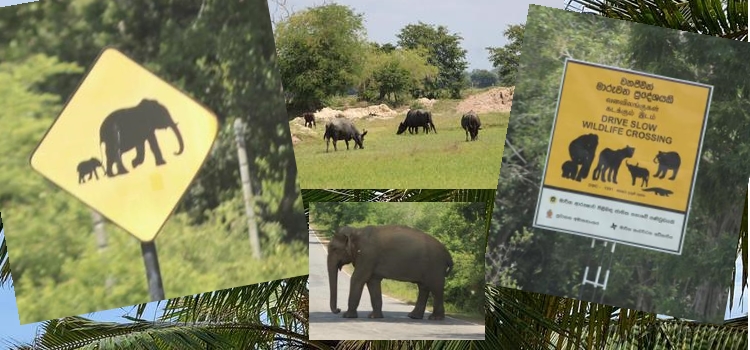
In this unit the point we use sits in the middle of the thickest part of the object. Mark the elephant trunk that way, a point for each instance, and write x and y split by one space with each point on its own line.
333 273
179 138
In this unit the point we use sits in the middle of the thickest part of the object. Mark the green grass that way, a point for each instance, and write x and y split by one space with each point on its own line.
442 160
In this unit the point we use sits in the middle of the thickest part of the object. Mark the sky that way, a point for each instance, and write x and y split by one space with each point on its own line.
481 24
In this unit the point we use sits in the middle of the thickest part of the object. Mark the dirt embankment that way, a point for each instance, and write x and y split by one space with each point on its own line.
322 116
495 100
381 111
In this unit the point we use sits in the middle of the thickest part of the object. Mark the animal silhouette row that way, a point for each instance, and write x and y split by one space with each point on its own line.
582 151
126 129
343 129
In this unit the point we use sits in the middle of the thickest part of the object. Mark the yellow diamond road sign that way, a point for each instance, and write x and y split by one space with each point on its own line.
127 144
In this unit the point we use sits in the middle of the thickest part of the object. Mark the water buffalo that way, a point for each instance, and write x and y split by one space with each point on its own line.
414 119
309 120
343 129
471 124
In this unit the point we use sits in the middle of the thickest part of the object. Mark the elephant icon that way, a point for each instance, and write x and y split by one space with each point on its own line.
582 152
88 167
128 128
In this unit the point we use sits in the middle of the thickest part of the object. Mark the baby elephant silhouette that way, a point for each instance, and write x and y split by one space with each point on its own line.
88 167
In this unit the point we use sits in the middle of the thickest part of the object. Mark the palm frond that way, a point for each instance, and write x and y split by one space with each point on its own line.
262 316
710 17
82 333
5 276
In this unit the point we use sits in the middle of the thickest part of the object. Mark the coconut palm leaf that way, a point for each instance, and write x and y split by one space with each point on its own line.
726 19
742 250
5 276
261 316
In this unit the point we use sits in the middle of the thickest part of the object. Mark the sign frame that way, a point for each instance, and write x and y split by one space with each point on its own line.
698 152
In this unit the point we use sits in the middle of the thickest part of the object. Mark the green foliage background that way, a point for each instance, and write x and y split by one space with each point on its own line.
324 53
221 53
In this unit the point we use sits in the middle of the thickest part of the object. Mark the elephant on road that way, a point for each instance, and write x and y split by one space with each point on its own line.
394 252
128 128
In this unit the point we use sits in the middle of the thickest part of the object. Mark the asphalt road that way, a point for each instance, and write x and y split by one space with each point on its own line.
396 325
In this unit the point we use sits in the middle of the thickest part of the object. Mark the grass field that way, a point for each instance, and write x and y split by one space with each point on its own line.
442 160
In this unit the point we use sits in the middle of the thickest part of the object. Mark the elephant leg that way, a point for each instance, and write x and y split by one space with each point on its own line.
154 145
96 174
81 178
120 167
674 174
114 160
356 286
421 304
376 298
140 153
438 309
91 175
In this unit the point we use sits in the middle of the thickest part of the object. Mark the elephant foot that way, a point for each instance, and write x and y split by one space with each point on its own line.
375 314
160 162
436 317
135 163
350 314
416 315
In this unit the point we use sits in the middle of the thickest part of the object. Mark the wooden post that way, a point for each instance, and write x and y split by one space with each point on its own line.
252 226
101 242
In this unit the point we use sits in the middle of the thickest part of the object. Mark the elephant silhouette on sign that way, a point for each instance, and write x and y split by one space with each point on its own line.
88 167
128 128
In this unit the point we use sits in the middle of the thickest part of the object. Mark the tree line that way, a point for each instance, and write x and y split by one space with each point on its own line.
324 52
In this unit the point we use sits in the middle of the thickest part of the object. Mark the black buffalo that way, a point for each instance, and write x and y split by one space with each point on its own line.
309 120
343 129
416 118
471 124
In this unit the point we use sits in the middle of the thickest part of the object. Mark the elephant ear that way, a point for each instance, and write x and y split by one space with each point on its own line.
350 238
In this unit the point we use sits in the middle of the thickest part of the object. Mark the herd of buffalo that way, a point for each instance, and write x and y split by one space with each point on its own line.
342 129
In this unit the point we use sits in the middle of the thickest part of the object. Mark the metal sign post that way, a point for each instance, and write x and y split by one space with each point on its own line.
595 282
153 273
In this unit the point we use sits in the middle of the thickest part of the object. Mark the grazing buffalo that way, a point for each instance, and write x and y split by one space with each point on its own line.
309 120
471 124
343 129
416 118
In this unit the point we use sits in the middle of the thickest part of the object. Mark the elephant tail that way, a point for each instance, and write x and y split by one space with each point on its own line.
449 265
